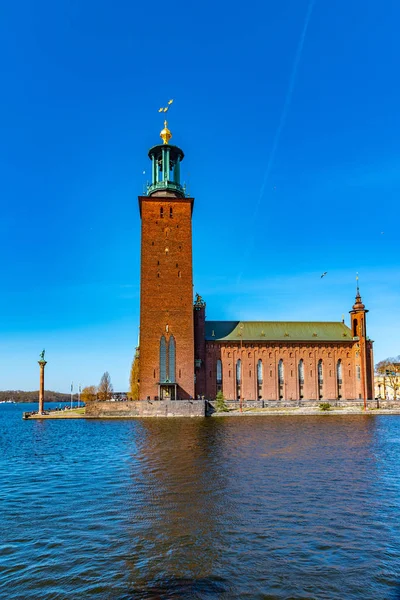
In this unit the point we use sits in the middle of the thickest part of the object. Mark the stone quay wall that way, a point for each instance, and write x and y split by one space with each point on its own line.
144 408
311 403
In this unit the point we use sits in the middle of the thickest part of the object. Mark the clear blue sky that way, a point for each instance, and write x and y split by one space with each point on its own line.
288 114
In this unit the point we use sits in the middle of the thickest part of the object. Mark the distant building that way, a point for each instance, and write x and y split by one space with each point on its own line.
387 387
119 397
182 355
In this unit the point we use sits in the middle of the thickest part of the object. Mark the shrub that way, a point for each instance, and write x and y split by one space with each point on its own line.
325 406
220 405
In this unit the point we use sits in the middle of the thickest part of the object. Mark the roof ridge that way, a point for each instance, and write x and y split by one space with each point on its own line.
239 321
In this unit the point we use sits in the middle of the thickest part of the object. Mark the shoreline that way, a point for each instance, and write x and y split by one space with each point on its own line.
290 412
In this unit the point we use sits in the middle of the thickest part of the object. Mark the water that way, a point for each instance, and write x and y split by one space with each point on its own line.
257 508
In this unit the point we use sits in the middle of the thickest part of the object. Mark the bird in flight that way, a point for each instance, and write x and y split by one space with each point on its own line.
323 274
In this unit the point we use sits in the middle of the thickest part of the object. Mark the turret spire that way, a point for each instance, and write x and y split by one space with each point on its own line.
358 305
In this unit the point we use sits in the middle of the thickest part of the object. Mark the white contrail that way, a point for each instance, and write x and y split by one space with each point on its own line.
282 120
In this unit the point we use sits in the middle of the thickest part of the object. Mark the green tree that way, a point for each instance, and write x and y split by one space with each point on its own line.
390 370
105 388
220 404
134 377
89 394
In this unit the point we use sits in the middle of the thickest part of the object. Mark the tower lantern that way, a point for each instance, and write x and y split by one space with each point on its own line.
165 167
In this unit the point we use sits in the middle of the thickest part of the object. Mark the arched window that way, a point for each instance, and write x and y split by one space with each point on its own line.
339 371
239 371
320 371
163 359
259 379
355 324
301 371
281 372
219 371
259 371
339 377
171 359
238 378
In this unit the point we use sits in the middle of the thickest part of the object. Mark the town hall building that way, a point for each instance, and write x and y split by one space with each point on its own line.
184 356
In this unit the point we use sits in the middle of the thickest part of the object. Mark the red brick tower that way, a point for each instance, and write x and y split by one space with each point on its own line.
166 281
364 353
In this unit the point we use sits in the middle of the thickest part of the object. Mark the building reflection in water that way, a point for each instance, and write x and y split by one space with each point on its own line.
235 508
180 509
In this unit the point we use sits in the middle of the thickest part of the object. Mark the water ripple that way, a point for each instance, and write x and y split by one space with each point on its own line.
257 508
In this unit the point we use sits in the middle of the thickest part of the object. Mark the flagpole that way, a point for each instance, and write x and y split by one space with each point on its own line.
79 395
72 387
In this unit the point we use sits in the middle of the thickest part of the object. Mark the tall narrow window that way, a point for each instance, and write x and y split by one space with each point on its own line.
163 360
171 359
339 370
355 323
170 212
301 371
260 371
301 377
239 370
358 371
219 375
161 212
320 371
238 378
320 379
339 377
281 378
219 371
281 372
259 378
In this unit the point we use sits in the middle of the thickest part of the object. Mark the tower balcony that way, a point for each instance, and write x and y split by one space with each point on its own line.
170 186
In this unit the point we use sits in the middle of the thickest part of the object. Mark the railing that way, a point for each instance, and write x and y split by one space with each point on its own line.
162 185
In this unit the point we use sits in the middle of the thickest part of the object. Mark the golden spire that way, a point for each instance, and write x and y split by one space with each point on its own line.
165 134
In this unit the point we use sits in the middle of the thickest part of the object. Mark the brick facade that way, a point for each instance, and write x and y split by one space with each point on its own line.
166 292
352 380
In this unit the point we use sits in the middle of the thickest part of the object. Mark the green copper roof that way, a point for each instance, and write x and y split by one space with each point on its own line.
277 331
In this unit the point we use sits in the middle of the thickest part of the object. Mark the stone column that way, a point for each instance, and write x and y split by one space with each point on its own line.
42 364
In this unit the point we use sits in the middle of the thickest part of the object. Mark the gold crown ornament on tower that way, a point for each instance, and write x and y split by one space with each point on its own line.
165 133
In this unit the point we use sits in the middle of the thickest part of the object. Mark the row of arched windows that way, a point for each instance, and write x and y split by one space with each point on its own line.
281 371
167 360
